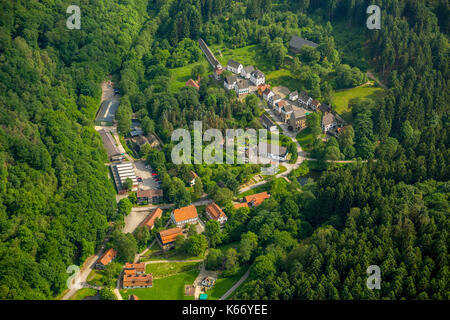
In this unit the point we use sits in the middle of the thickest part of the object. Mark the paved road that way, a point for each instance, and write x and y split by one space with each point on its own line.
236 285
88 266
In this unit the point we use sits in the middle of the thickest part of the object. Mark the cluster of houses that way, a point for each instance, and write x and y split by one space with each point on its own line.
292 108
134 276
188 215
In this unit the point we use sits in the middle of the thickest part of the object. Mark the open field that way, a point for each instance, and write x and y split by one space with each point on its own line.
82 293
343 97
222 285
179 76
162 270
170 255
168 288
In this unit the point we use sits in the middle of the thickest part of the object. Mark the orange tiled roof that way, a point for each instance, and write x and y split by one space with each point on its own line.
140 267
170 235
108 256
149 221
128 272
315 103
241 205
192 83
185 213
138 280
257 199
215 211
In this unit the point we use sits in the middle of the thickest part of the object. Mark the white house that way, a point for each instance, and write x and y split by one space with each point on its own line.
184 215
304 99
274 99
257 77
234 66
230 82
328 122
267 94
293 96
245 73
242 87
214 212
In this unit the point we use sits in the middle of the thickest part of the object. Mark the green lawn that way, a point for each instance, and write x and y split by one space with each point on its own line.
96 278
343 97
254 56
168 288
171 255
179 76
227 246
82 293
305 139
222 285
258 189
161 270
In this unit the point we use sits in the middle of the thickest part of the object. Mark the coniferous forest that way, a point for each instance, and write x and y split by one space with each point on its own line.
312 242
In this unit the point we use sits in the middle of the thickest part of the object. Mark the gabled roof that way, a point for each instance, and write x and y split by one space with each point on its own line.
275 97
193 175
315 102
241 205
149 221
139 280
287 108
304 96
149 193
233 64
325 108
231 79
267 91
299 113
192 83
170 235
215 211
328 119
107 257
267 122
298 43
257 74
185 213
242 84
258 198
281 103
135 266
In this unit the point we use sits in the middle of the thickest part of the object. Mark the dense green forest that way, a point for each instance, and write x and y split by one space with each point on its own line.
313 242
55 196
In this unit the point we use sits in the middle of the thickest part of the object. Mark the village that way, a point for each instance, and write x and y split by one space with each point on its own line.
283 110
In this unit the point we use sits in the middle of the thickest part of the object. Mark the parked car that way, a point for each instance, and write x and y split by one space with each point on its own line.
154 174
139 179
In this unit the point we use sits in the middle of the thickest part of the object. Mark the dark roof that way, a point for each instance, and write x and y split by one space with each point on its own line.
275 97
303 96
266 121
293 93
287 108
107 111
233 64
208 53
257 74
231 79
298 43
242 84
109 143
324 107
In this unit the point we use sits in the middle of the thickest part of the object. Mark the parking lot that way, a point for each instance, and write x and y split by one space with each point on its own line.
148 181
